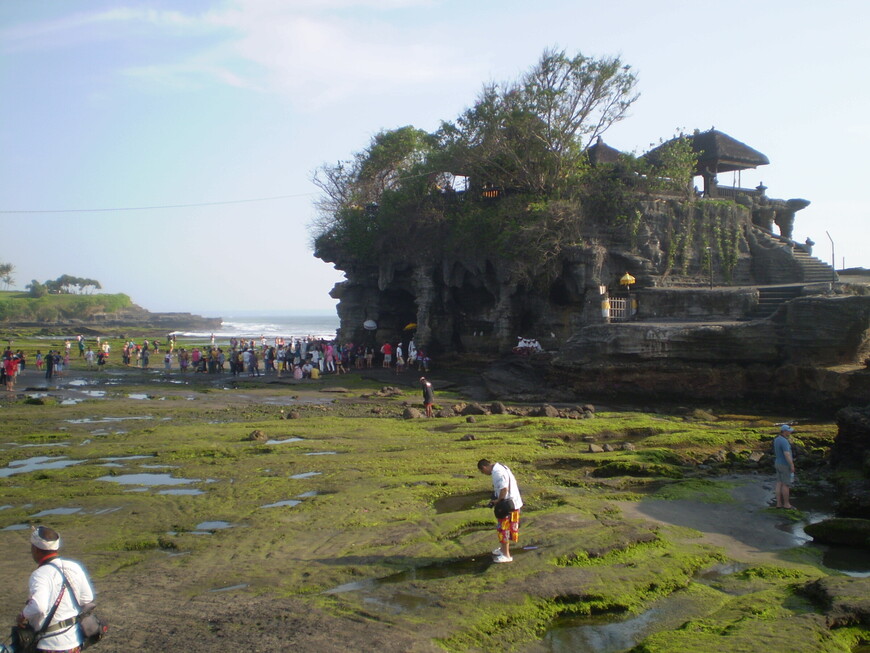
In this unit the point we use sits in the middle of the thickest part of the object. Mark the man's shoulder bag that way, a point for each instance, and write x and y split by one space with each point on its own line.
23 639
504 507
92 626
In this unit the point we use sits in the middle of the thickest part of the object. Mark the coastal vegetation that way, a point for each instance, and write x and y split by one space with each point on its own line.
25 307
510 179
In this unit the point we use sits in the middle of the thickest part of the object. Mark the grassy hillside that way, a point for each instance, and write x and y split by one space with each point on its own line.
16 306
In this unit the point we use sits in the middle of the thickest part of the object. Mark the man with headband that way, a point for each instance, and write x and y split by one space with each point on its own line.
62 635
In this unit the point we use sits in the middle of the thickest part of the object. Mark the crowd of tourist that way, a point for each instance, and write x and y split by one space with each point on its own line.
300 358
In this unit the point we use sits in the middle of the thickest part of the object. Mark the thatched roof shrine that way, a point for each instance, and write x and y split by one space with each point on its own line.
601 152
718 152
722 153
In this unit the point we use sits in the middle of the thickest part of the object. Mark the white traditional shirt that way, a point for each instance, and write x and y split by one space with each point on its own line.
45 585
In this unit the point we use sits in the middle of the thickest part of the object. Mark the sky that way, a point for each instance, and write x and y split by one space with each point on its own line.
204 120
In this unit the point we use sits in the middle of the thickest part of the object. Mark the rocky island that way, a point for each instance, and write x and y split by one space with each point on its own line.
518 221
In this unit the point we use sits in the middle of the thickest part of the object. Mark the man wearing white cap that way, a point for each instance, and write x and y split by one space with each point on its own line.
47 588
784 465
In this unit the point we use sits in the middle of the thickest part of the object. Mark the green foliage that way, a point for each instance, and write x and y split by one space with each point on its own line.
397 198
22 307
6 270
36 289
635 468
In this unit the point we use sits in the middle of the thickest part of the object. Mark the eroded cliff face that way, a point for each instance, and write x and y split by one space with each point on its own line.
687 339
463 301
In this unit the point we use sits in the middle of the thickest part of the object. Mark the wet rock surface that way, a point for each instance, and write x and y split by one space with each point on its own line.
851 532
846 600
851 454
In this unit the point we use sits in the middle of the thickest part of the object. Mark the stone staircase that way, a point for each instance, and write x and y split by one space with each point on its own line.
792 264
814 270
770 298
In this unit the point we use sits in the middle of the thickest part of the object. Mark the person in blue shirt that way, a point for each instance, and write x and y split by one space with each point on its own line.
784 465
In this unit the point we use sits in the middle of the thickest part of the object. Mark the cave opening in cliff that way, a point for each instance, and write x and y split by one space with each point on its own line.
398 309
559 293
527 323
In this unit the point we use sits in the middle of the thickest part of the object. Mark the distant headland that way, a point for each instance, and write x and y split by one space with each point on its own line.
87 312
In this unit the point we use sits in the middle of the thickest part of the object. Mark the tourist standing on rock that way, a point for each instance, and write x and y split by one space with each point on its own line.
504 486
47 590
400 359
428 395
784 465
49 364
387 351
10 369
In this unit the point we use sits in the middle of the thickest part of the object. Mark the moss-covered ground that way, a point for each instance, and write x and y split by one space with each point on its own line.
395 506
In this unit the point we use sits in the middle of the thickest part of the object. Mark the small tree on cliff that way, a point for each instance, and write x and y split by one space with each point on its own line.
349 209
531 134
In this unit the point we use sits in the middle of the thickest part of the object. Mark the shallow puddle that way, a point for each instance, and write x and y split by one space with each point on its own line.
279 504
16 527
179 492
119 458
848 560
213 525
305 475
852 561
56 511
148 479
307 495
284 441
138 395
601 634
106 420
36 464
460 502
230 588
475 565
322 453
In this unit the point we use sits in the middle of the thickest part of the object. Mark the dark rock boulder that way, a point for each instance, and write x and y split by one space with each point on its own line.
851 452
851 532
498 408
846 600
411 413
473 409
546 411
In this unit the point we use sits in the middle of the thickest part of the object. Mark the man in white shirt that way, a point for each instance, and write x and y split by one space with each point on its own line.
504 486
46 584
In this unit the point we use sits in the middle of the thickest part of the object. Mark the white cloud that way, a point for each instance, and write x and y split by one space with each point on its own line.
312 53
81 28
322 56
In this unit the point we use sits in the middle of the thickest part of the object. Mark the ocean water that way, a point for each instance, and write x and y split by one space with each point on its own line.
273 325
